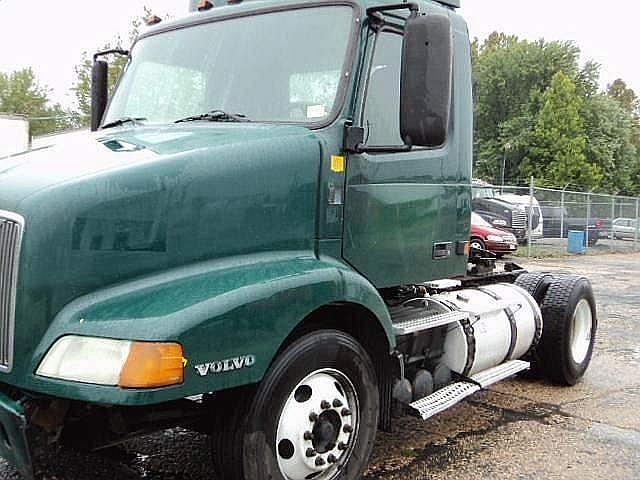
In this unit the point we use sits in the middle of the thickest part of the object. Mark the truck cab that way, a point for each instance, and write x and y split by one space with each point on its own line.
265 238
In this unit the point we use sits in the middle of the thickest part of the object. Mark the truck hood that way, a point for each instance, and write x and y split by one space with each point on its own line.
106 208
90 154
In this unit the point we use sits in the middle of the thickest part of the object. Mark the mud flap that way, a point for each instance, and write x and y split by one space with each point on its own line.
14 446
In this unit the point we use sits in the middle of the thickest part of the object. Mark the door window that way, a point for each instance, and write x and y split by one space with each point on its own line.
382 105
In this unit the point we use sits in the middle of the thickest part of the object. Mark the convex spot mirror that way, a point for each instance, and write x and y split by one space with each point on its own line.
425 89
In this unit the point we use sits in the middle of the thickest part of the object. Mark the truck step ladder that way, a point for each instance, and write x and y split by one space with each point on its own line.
424 323
448 396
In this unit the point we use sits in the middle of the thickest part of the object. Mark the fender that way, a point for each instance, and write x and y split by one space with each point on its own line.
230 315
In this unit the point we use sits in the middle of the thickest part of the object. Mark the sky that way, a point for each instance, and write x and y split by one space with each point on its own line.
50 36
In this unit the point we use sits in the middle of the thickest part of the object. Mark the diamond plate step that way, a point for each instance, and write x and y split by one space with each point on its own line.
448 396
425 323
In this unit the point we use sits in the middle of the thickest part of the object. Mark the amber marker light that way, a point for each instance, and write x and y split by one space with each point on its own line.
152 365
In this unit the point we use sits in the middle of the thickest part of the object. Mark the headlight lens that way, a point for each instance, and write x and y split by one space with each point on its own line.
86 359
103 361
494 238
502 223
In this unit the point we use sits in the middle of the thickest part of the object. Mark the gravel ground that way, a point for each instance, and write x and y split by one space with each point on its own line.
519 429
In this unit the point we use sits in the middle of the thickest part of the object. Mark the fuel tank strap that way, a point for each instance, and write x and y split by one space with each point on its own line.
512 322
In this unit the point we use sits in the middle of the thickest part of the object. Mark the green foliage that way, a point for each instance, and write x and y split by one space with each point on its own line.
22 94
557 151
537 108
627 97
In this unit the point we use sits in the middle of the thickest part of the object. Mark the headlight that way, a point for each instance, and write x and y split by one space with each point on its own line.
494 238
502 223
123 363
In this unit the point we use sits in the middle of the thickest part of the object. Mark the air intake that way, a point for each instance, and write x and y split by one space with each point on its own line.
11 227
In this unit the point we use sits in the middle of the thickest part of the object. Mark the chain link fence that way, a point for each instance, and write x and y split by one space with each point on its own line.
563 221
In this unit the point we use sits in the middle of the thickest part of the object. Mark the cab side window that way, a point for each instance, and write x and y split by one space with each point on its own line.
382 105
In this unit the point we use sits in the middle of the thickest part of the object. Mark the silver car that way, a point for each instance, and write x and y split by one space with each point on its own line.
624 228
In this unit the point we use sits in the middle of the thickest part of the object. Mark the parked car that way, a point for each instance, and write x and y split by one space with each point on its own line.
486 237
557 223
624 228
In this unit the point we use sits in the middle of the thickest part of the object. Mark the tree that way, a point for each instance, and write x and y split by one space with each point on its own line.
610 144
22 94
625 95
510 77
558 152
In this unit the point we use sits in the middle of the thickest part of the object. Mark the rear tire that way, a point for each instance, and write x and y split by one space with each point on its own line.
568 336
314 415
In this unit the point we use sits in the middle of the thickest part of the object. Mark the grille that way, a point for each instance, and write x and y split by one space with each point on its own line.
11 227
518 219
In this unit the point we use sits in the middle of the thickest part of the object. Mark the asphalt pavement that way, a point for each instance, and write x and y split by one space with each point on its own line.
519 429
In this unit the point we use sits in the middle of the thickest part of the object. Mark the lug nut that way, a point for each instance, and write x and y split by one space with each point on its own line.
308 436
345 412
310 452
337 403
342 446
325 405
347 429
332 458
313 416
320 462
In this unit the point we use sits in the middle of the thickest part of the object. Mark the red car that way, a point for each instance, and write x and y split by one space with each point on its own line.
486 237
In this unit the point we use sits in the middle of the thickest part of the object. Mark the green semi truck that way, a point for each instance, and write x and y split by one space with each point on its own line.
266 238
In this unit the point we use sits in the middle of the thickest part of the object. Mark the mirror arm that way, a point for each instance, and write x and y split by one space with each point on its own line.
116 51
413 7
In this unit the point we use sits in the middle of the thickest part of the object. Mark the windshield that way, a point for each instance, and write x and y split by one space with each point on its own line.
273 67
482 192
478 221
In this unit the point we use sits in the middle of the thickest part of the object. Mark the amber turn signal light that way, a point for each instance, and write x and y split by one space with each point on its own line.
152 365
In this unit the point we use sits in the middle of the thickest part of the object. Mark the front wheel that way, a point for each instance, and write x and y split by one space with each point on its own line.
314 415
477 244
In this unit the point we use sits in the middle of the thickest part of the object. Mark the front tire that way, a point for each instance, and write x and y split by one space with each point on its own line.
314 415
477 243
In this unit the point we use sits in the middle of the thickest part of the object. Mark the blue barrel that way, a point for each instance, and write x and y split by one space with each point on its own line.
576 242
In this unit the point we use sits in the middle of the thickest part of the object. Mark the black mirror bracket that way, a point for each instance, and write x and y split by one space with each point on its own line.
112 51
353 138
412 7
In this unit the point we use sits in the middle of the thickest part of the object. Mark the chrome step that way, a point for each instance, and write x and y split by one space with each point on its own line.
448 396
425 323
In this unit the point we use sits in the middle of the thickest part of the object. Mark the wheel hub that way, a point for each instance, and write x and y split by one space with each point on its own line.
326 431
581 327
317 427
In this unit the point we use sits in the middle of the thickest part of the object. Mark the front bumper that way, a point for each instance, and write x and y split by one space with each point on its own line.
501 247
14 446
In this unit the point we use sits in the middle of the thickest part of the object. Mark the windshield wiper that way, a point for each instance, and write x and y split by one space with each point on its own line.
215 116
123 120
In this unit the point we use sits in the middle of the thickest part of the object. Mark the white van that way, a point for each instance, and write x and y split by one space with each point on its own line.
526 201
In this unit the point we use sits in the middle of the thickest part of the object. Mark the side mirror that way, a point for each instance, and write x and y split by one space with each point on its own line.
99 92
425 86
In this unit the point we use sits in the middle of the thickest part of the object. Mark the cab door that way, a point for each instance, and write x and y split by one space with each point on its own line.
406 212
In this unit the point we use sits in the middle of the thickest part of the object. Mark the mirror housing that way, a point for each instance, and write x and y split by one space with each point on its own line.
425 86
99 92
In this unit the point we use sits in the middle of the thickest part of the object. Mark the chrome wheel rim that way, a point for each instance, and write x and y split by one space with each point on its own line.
318 426
581 326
